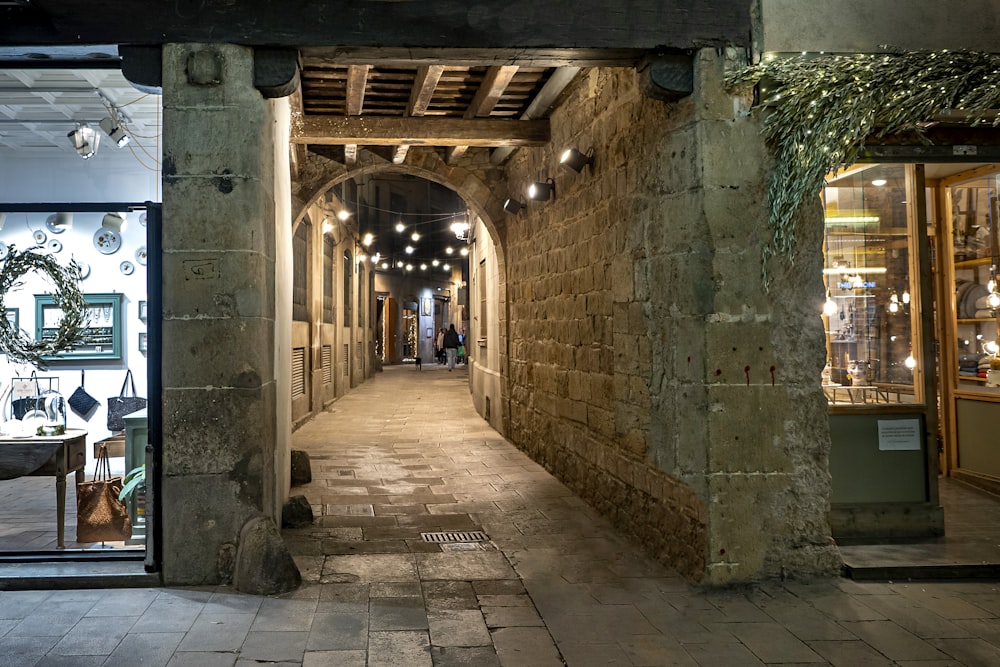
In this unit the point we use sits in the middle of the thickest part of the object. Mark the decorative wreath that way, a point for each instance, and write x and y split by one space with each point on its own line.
18 347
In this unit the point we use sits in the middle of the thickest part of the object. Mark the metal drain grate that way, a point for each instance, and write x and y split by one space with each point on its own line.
455 536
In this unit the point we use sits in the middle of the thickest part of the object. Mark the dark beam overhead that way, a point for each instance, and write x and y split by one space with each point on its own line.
420 131
596 24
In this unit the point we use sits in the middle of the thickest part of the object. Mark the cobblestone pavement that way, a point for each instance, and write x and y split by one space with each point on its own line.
553 584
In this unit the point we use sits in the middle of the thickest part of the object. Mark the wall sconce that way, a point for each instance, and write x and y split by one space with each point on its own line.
84 140
513 206
542 190
113 128
576 160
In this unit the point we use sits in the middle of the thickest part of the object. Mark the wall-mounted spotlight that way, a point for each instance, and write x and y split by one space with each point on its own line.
343 214
576 160
368 239
85 140
113 128
58 222
113 221
542 190
513 206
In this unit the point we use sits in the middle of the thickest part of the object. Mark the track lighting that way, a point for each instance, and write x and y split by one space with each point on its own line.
113 128
513 206
84 140
542 190
576 160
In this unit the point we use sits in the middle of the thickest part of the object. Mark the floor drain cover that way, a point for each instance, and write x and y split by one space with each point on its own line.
455 536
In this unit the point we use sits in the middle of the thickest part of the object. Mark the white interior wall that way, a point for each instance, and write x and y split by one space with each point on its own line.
111 175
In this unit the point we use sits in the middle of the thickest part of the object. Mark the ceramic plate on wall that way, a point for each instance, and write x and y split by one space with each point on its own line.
107 241
140 255
142 218
54 246
39 237
84 270
127 268
4 251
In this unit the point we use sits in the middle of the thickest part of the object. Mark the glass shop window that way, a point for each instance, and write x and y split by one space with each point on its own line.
974 210
870 312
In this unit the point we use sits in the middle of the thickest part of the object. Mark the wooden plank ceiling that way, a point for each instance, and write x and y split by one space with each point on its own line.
388 107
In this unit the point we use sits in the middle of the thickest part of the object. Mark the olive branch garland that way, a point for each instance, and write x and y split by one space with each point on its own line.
820 111
18 347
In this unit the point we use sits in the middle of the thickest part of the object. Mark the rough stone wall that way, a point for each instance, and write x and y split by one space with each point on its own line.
219 420
648 369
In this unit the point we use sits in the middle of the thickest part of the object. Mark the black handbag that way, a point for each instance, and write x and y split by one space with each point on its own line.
122 404
81 402
35 402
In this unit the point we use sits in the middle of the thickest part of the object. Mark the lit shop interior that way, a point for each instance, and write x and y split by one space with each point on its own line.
911 319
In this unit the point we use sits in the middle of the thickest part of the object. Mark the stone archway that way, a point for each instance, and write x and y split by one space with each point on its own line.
481 185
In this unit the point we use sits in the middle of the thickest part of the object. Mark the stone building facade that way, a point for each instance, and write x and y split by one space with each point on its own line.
634 351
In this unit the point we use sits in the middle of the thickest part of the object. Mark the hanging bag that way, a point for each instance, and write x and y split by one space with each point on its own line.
82 403
24 395
100 515
123 404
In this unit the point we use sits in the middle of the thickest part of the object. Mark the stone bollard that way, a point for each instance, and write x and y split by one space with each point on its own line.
264 566
301 471
297 513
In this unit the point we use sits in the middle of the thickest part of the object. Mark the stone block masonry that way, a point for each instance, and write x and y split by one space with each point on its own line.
650 371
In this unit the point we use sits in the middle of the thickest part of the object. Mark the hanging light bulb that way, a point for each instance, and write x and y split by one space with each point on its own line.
910 362
830 307
906 296
993 300
991 347
893 307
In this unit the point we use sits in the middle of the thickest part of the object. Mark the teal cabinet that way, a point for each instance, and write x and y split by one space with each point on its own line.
136 438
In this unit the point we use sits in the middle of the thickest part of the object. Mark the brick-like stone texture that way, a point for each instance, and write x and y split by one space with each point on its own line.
649 369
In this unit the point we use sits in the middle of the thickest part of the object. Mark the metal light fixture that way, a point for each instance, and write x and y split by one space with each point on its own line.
576 160
542 190
113 128
84 140
59 222
513 206
113 221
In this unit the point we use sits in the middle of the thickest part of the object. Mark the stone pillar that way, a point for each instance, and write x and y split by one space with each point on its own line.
219 415
766 434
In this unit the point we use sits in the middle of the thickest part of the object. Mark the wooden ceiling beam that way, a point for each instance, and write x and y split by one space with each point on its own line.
423 88
490 91
421 131
357 81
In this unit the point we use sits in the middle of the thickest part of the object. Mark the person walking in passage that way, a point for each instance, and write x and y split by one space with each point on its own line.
451 346
439 346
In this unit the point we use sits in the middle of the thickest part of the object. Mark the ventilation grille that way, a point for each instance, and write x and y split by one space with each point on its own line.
455 536
347 359
298 372
327 353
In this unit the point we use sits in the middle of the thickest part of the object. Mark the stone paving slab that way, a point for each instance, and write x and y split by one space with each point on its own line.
554 585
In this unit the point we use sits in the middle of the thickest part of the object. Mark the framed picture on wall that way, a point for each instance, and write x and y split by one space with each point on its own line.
13 317
143 342
142 311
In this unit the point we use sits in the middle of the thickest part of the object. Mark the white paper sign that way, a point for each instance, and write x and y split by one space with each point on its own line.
899 434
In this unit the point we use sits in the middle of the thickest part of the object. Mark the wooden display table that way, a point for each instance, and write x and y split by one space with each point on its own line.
42 455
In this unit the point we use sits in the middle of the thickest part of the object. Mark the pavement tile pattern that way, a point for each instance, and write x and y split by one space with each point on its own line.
554 584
